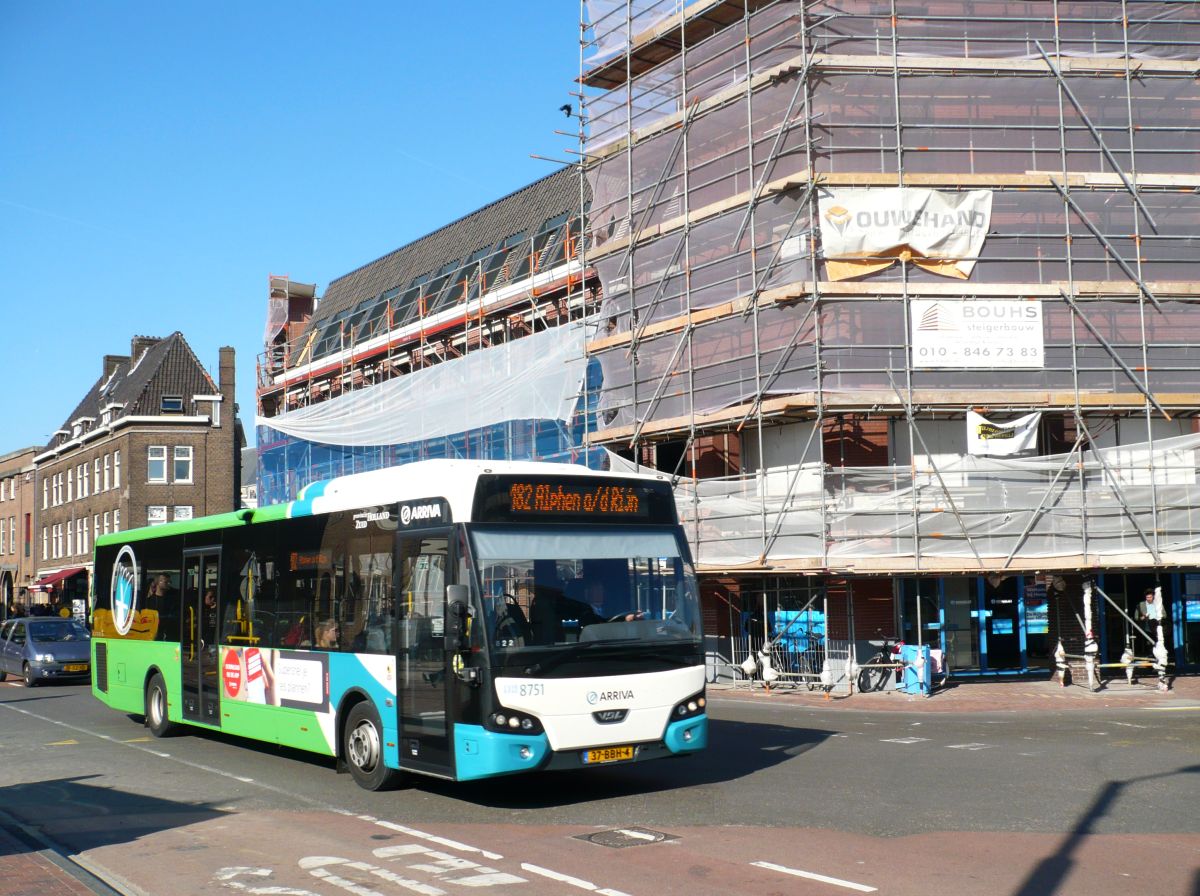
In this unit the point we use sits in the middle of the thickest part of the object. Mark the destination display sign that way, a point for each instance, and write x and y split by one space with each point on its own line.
524 499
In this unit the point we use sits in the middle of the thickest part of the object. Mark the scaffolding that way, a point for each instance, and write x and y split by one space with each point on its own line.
1033 159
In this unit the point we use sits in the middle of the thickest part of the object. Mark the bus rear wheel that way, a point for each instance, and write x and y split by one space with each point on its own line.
156 707
363 749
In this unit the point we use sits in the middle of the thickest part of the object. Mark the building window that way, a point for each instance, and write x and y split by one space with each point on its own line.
96 527
172 404
45 541
107 460
12 534
96 476
84 547
116 469
117 520
106 519
156 465
28 532
156 514
3 549
70 486
182 512
183 463
70 538
45 495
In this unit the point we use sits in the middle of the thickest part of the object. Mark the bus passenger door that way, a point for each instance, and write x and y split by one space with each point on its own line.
198 654
421 567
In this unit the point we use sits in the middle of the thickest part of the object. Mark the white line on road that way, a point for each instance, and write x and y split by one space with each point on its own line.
567 879
968 746
433 838
848 884
904 740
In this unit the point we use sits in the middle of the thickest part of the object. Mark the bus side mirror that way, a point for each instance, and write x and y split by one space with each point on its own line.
456 618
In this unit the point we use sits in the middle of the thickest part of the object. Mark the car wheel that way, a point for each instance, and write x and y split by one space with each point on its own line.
363 749
27 673
156 707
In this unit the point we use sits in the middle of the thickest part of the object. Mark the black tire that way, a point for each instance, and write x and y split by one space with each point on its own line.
156 707
27 674
873 678
362 748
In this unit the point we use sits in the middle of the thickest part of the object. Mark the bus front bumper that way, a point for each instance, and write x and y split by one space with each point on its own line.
483 754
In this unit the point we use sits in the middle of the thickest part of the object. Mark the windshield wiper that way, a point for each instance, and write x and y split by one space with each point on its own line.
567 653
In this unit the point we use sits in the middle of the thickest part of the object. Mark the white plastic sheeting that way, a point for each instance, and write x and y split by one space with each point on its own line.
1125 502
538 377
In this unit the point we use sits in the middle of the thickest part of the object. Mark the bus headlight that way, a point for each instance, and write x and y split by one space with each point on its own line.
692 706
509 722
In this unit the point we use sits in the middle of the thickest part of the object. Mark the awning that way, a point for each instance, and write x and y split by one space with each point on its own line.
47 582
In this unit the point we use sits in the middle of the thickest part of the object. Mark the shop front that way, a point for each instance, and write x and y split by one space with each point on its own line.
1010 624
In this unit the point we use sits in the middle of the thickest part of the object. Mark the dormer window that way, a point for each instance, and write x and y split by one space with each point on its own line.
172 404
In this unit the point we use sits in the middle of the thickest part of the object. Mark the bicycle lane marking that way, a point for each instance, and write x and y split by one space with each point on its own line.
812 875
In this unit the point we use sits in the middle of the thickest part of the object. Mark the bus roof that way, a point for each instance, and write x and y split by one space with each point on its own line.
452 480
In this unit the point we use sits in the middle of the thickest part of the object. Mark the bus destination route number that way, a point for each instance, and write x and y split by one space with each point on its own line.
589 500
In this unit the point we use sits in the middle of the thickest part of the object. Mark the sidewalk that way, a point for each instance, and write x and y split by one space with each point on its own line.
982 695
29 869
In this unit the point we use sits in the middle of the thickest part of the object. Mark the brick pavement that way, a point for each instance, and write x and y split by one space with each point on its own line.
983 695
27 869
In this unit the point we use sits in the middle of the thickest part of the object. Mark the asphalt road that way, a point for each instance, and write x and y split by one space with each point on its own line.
786 800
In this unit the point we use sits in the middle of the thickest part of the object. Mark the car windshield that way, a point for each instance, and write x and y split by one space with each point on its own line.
549 587
67 630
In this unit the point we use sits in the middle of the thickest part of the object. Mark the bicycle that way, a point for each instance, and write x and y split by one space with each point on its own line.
874 674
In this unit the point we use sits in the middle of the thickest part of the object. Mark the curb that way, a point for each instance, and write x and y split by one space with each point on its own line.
44 852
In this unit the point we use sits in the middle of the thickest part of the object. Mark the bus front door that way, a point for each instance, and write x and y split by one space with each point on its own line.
198 654
422 561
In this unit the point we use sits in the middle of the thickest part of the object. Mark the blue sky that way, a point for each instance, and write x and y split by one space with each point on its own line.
159 160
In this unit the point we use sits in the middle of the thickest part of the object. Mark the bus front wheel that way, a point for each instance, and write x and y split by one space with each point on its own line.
363 749
156 707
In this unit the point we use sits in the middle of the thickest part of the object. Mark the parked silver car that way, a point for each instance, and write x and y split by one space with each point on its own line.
41 648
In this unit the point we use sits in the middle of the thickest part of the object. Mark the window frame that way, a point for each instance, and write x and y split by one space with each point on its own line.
151 461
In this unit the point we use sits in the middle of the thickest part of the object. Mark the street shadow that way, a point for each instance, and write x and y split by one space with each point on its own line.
82 816
28 696
735 750
1050 873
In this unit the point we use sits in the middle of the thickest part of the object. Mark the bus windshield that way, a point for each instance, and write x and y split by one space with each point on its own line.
549 587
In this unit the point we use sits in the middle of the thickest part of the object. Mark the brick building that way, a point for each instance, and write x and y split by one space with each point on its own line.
155 439
16 526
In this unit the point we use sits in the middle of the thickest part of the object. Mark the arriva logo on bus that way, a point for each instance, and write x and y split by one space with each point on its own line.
410 513
595 697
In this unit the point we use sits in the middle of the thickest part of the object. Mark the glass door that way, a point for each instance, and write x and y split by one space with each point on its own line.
1001 622
422 564
961 625
198 655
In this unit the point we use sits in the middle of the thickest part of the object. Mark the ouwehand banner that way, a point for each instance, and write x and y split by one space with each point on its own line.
1001 439
863 231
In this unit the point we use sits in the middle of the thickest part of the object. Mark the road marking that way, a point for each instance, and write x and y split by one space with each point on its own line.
70 742
904 740
567 879
1172 708
969 747
227 878
837 882
432 838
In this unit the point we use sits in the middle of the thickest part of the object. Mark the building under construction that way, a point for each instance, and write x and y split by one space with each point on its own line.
904 294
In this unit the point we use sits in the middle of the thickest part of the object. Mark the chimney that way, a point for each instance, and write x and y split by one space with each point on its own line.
112 362
226 379
141 343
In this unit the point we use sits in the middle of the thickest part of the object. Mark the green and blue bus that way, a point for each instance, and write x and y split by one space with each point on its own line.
459 619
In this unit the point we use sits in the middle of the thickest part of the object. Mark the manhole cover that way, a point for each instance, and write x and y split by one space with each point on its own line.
622 837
